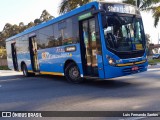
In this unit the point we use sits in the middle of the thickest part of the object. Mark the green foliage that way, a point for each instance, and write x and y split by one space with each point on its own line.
149 51
4 68
11 30
148 5
132 2
156 14
154 61
45 16
3 54
68 5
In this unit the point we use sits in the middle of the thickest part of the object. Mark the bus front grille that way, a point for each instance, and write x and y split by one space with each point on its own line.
127 71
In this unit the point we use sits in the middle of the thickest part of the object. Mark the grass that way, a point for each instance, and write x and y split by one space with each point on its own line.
4 68
153 61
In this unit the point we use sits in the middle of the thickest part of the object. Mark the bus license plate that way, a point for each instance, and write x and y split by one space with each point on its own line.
134 68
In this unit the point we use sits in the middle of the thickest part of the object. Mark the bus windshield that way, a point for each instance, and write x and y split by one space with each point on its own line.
124 33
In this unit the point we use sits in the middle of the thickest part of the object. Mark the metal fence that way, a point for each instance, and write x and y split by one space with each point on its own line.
3 62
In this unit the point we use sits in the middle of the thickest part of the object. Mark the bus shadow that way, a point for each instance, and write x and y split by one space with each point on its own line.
10 77
98 83
109 83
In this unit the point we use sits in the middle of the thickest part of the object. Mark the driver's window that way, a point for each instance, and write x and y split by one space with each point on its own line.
108 32
138 32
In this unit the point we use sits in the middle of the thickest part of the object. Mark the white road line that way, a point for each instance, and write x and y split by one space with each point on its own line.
153 69
10 80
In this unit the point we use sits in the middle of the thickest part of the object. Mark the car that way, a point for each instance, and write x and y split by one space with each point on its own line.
156 56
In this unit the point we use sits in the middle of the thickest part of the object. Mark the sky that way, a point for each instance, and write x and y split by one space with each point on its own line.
16 11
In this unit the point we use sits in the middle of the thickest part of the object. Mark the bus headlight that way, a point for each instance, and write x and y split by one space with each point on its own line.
111 61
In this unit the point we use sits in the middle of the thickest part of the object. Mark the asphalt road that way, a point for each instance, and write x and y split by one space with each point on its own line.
136 92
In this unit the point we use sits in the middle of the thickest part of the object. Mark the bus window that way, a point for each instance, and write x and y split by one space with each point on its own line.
45 37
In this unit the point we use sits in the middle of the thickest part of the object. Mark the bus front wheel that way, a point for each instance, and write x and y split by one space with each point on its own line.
72 73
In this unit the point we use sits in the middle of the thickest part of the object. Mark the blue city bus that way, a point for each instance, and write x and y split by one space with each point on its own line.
98 40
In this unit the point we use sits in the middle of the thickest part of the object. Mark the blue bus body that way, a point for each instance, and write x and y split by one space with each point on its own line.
54 60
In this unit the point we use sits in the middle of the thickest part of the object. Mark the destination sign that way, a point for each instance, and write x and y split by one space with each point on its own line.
121 8
84 16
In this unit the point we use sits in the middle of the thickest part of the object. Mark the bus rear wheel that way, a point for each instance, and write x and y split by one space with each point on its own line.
25 71
72 73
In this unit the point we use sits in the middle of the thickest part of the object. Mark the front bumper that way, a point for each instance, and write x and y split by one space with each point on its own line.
113 71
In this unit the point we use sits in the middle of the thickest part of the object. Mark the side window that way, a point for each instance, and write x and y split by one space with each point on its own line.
67 37
62 25
25 43
138 32
45 37
68 31
75 29
62 31
19 44
57 36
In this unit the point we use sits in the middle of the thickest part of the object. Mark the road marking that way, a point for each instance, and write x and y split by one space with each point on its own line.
10 80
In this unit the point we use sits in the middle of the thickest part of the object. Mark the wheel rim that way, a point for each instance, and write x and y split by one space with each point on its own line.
74 73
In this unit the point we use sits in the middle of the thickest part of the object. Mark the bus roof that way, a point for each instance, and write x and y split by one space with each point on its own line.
44 24
69 14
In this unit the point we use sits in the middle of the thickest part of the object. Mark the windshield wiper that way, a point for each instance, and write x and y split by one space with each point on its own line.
117 18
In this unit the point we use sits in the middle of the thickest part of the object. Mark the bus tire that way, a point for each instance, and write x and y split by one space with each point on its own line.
72 73
25 71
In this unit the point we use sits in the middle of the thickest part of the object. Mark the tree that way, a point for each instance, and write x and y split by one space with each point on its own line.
147 36
7 28
22 27
156 14
14 30
2 41
68 5
45 16
133 2
148 5
31 24
37 21
10 30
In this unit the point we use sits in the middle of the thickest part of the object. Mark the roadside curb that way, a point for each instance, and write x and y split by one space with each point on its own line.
154 66
9 72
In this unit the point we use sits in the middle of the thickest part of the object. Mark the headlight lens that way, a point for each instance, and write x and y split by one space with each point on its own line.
111 61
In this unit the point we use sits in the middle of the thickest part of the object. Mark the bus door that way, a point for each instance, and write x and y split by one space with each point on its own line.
34 53
14 56
89 48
